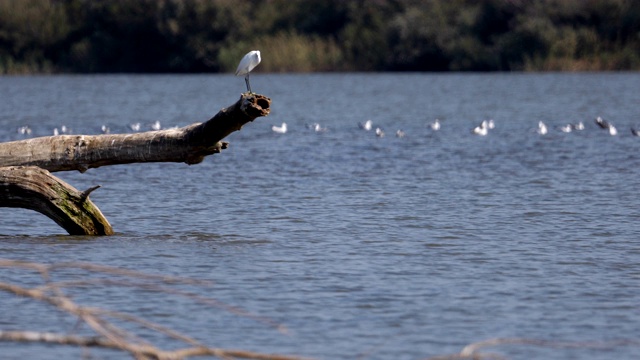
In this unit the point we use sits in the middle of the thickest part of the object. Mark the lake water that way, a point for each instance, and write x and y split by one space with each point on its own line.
361 246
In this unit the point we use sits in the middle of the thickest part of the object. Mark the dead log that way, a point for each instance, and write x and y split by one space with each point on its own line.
36 189
189 144
25 165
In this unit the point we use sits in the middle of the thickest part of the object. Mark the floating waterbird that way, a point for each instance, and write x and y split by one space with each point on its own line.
248 62
482 129
24 130
317 127
566 128
542 128
282 129
366 125
435 126
578 126
604 124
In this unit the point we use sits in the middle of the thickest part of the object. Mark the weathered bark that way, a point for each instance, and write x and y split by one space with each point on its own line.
25 166
189 144
34 188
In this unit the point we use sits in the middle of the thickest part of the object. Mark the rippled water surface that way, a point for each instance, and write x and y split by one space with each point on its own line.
362 247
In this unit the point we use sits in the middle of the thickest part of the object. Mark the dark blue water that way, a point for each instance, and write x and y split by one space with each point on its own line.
362 247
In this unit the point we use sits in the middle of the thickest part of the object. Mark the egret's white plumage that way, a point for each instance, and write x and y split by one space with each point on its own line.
248 62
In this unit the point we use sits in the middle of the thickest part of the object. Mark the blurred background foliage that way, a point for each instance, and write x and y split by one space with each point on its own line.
185 36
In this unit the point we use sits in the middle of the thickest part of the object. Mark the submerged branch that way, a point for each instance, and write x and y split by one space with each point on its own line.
36 189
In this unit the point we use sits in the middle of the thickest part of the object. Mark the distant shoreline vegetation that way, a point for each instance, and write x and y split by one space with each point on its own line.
195 36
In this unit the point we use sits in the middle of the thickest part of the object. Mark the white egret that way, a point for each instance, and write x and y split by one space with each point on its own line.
248 62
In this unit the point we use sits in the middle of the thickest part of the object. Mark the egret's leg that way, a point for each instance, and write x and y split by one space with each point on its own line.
246 79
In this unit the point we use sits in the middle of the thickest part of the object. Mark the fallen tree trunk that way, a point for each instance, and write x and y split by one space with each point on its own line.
189 144
34 188
25 165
